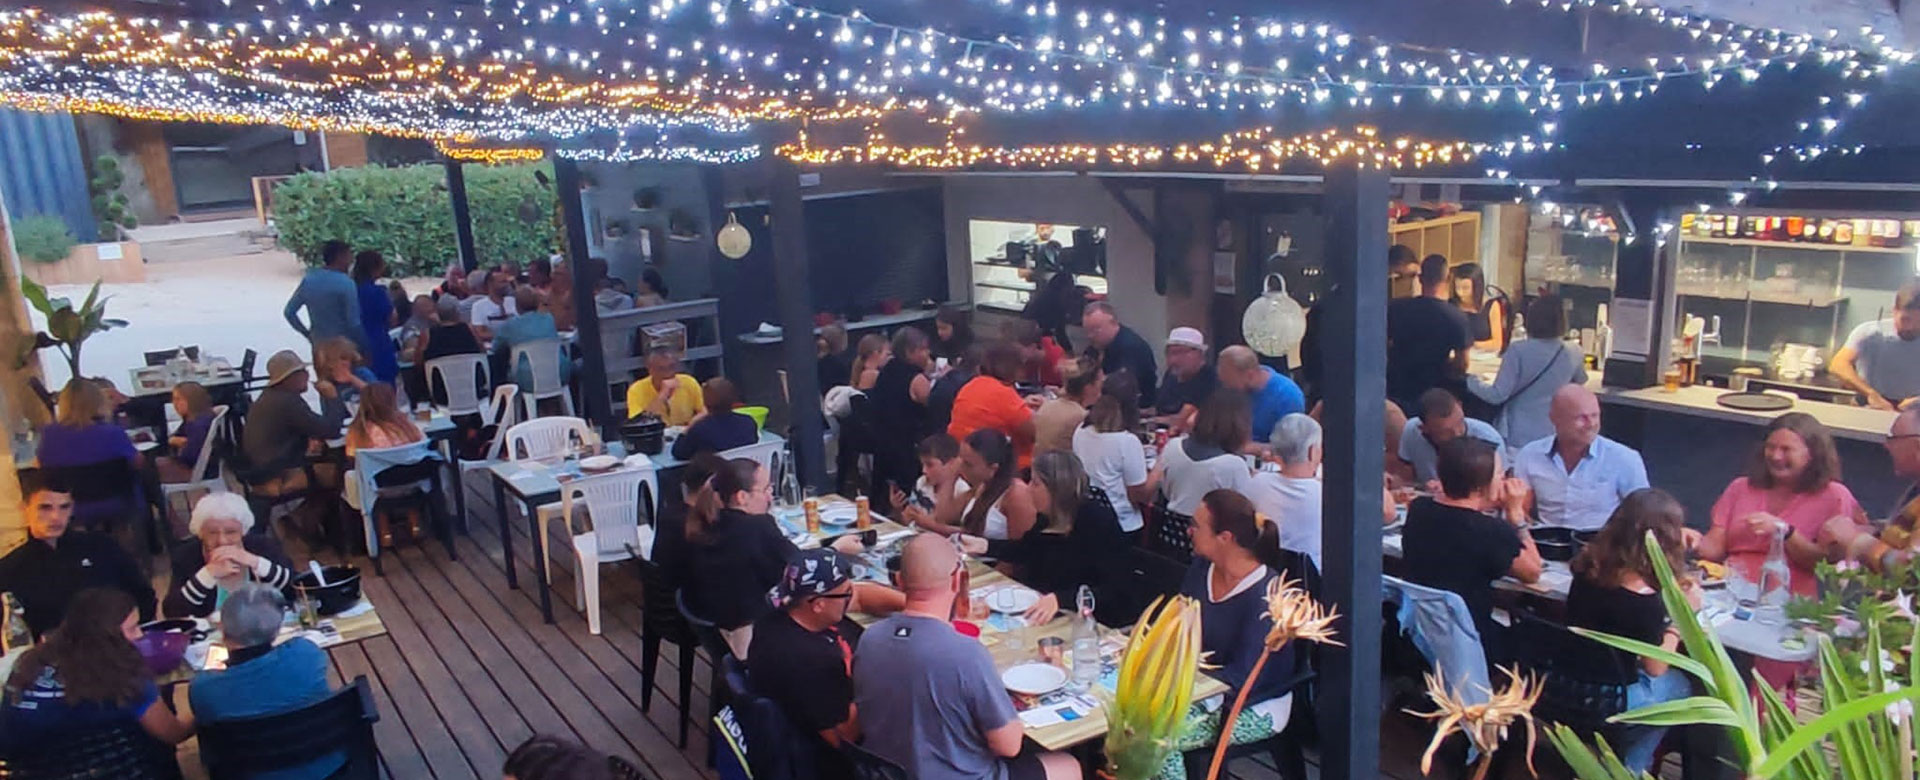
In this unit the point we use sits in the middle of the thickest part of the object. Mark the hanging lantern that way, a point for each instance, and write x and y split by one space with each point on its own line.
733 238
1274 322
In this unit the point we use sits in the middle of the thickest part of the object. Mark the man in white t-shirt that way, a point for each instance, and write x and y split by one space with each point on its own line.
495 309
1882 357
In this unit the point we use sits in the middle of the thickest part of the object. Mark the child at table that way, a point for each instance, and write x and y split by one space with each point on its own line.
1615 590
379 425
195 407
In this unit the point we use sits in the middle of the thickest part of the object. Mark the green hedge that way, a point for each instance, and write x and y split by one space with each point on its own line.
405 213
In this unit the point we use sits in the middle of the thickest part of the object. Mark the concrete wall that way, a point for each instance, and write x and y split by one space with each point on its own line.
1074 200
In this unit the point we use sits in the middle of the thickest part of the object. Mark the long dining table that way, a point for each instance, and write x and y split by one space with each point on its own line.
1058 720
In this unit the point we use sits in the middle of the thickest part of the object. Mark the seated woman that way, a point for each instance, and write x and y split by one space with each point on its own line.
1236 556
999 505
717 428
379 425
1208 457
1112 454
1056 420
990 402
85 680
222 556
873 353
1453 542
1615 590
1076 537
1792 488
195 407
83 434
736 552
337 360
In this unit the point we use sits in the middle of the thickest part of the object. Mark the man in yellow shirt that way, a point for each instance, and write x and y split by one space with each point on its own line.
665 392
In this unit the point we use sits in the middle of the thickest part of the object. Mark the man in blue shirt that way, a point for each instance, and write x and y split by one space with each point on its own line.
532 324
1273 396
1441 420
1576 477
260 678
331 299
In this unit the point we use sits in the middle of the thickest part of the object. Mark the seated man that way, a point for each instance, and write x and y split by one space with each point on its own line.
261 678
1441 420
1189 379
1292 497
1576 476
929 698
1452 542
719 428
280 426
56 563
803 650
1272 395
665 392
531 324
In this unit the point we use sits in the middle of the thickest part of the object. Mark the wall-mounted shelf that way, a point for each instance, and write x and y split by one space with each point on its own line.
1785 299
1766 244
1026 287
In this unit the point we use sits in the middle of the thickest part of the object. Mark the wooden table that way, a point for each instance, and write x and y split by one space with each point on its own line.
1006 653
348 630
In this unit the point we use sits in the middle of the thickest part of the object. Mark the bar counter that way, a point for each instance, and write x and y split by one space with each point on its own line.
1693 446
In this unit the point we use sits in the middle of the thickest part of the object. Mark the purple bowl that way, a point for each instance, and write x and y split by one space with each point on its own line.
163 650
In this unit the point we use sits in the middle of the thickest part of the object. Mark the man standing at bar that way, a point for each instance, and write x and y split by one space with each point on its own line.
1118 349
1882 358
1427 340
1576 477
331 299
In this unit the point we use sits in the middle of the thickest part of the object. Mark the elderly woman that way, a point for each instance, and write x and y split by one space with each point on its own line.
262 678
222 557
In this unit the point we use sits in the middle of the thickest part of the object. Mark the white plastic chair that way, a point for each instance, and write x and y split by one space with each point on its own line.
543 361
200 481
612 502
547 438
499 413
762 452
461 375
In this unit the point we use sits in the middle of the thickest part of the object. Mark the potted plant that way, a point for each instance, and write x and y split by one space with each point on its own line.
1865 732
67 327
1149 703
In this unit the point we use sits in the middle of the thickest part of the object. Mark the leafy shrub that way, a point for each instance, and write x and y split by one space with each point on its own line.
42 238
110 205
406 215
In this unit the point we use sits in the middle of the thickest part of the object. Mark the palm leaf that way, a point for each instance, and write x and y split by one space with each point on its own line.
1811 734
1651 651
1693 709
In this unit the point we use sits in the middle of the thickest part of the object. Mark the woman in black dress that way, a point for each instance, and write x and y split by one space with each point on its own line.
899 403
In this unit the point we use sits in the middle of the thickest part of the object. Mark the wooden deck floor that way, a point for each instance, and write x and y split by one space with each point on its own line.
469 670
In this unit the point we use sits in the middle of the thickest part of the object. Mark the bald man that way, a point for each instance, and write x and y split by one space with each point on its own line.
929 697
1273 396
1896 539
1576 475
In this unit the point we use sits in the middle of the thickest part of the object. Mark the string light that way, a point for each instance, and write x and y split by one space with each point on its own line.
491 155
1257 150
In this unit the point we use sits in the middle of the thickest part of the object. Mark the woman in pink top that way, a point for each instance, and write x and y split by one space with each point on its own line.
381 424
1794 480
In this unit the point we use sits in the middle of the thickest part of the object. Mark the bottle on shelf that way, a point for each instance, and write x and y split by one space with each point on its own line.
1796 227
1843 232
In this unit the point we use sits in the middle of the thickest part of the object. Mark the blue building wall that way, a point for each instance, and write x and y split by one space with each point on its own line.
41 171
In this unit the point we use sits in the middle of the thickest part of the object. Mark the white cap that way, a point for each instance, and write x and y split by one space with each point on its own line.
1187 337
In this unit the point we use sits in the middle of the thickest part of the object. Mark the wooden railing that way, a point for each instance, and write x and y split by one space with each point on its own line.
263 195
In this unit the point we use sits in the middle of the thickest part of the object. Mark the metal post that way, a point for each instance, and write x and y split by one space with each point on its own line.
592 378
793 300
462 218
1356 391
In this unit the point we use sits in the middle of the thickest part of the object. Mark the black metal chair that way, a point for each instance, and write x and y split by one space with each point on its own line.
1147 575
868 765
708 636
1287 748
427 502
660 621
121 752
776 749
342 723
1169 532
1584 682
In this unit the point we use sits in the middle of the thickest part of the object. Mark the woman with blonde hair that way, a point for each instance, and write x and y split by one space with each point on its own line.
874 352
381 424
83 431
1075 539
337 360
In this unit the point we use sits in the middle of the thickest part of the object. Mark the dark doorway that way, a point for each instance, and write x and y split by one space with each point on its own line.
214 165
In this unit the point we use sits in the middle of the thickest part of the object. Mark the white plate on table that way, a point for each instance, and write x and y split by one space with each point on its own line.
598 463
1034 679
1012 601
838 517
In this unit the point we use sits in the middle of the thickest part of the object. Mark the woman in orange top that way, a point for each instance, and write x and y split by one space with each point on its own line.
989 401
